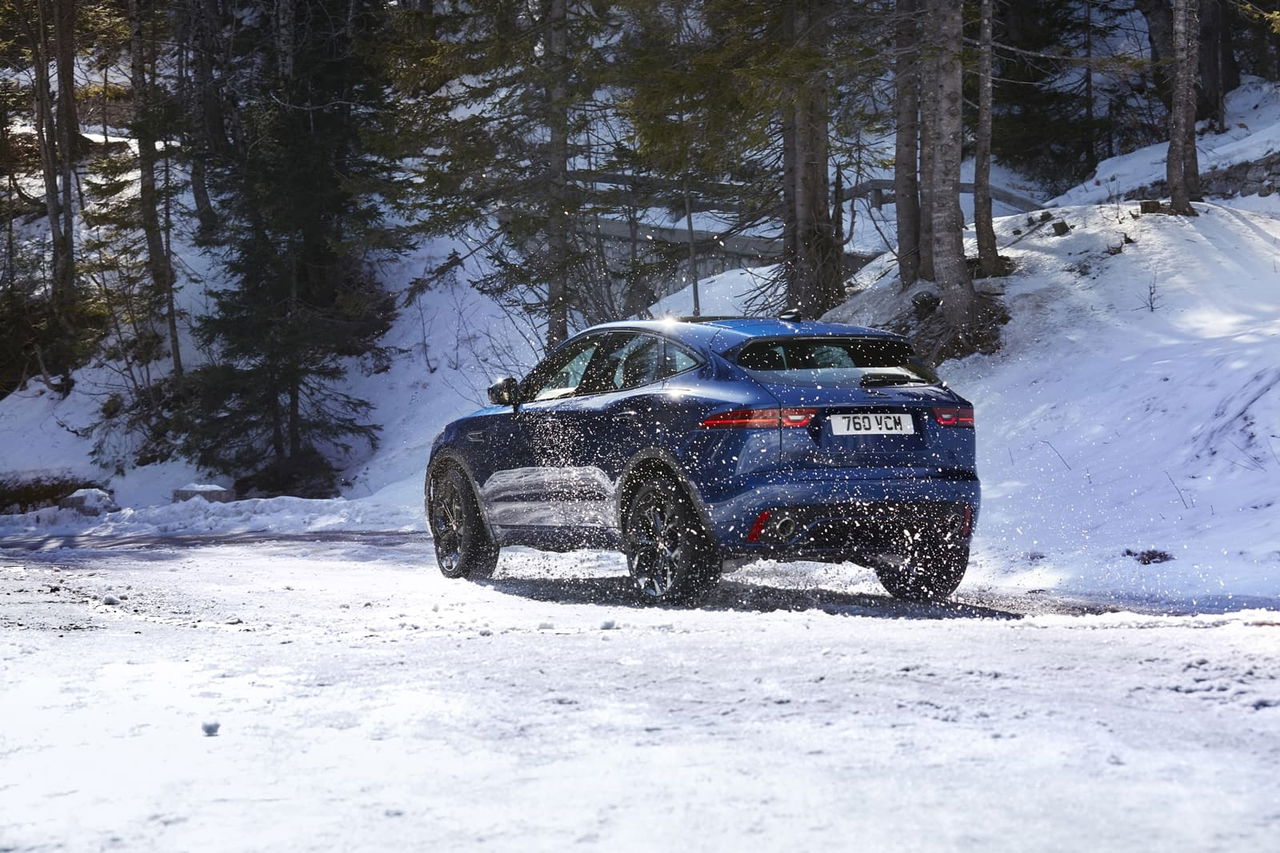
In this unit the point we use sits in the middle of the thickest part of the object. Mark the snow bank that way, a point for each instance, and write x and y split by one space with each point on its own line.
397 507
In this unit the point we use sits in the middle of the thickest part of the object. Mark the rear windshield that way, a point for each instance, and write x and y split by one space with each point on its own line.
866 361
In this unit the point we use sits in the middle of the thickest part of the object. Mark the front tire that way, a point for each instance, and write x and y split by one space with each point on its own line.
463 546
669 554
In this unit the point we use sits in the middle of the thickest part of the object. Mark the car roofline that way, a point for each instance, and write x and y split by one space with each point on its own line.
721 334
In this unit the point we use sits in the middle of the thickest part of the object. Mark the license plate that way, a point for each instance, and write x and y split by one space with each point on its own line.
872 424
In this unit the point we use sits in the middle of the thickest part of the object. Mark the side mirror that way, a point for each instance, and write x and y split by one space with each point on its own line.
504 392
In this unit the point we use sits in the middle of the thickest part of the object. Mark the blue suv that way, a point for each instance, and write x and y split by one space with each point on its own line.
697 445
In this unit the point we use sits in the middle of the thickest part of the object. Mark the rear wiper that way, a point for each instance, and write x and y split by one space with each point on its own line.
882 380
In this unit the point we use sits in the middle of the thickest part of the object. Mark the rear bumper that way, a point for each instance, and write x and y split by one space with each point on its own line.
840 514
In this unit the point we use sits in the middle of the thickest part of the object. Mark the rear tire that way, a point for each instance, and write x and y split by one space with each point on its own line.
669 554
463 546
930 570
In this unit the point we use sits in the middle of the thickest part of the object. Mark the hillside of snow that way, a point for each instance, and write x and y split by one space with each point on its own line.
1129 427
1252 132
446 346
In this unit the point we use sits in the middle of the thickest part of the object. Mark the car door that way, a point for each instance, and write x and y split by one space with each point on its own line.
519 485
602 426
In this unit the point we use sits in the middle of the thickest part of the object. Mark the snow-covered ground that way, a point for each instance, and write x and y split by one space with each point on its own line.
363 702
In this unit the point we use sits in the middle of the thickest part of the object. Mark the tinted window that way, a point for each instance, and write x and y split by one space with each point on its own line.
677 359
872 361
632 363
602 363
562 373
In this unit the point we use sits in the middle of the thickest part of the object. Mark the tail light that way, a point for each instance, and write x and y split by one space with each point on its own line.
954 416
756 529
760 418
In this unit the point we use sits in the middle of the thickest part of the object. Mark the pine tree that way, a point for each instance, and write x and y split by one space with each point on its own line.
49 40
749 92
134 425
1048 117
950 271
302 194
503 95
148 119
59 321
694 116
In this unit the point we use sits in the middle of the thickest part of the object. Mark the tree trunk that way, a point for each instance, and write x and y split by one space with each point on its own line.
906 186
1190 154
804 286
1219 72
158 262
68 128
826 251
693 248
557 173
212 118
790 232
205 213
1179 161
64 41
1090 119
51 157
803 290
201 101
814 275
1159 17
286 24
950 270
988 260
928 136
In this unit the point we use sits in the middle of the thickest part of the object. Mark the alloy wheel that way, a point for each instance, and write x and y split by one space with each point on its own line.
448 517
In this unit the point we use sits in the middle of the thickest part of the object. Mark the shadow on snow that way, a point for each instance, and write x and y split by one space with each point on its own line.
735 596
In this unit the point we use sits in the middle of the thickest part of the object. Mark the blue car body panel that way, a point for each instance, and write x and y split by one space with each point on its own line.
550 473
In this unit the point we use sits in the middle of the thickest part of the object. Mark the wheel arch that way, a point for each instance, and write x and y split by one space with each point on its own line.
450 457
657 461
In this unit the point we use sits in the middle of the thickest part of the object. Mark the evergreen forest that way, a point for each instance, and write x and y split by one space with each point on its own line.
300 144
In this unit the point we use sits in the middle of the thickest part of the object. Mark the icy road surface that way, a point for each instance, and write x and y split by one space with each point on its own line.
363 702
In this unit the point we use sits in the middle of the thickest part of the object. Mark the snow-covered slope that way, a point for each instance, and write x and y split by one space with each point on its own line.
446 346
1133 406
1252 131
450 343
